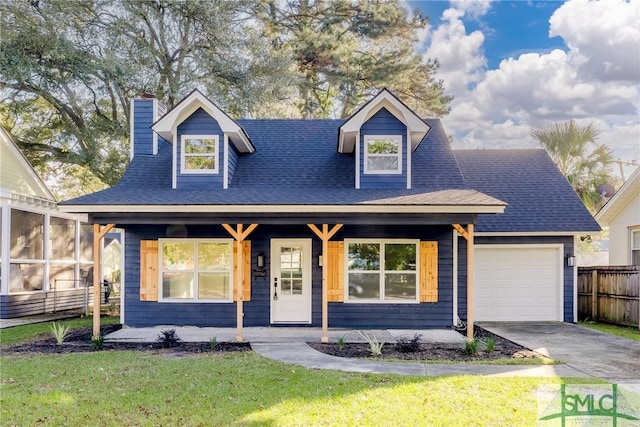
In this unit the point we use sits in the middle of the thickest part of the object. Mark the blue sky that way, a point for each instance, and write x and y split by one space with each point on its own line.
513 65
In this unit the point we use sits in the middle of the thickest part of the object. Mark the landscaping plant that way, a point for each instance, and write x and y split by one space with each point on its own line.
471 347
341 342
490 344
213 342
409 346
97 342
59 331
168 338
375 346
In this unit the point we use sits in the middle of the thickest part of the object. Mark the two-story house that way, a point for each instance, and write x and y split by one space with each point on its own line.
362 222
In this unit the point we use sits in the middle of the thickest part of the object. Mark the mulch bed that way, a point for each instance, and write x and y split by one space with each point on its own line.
79 341
435 351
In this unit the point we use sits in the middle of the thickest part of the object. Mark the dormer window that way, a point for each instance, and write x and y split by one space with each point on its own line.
382 154
199 154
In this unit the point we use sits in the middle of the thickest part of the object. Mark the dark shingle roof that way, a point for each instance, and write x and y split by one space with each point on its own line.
539 198
296 162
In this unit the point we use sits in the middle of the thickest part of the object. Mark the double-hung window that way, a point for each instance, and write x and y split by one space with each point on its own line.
635 247
382 154
193 269
199 153
382 271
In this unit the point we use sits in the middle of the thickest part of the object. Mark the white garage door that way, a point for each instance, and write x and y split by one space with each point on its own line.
518 282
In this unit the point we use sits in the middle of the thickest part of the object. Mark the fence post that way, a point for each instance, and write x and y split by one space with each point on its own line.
594 294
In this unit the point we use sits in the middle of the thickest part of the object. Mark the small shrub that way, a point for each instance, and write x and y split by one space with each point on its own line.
97 342
60 332
375 346
213 342
409 346
490 344
168 338
341 342
471 347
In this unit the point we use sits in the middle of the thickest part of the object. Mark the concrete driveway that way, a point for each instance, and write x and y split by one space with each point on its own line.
594 353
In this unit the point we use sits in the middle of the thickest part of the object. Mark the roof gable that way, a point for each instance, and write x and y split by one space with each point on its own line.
167 125
416 127
617 203
16 173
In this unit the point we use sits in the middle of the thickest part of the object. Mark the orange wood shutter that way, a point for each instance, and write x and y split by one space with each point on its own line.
246 277
148 270
428 271
335 271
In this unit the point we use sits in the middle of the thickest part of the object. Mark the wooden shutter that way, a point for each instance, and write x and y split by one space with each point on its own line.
335 271
428 271
148 270
246 277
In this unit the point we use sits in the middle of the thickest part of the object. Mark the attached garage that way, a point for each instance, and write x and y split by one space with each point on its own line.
518 282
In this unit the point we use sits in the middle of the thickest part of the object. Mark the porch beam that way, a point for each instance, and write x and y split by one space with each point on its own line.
470 273
239 234
98 235
325 235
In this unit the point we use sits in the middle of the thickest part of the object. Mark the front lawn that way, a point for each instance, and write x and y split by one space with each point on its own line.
159 388
621 331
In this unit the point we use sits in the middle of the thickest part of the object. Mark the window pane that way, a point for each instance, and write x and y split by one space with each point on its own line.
400 286
86 242
199 146
214 256
400 257
200 162
636 240
286 286
635 255
177 285
62 276
26 277
296 287
177 256
27 235
213 285
364 286
62 236
364 256
382 146
382 163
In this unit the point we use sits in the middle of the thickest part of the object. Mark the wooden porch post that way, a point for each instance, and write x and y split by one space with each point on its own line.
468 235
97 282
470 272
239 235
325 235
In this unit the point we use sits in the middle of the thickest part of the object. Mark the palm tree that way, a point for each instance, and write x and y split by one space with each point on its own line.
575 150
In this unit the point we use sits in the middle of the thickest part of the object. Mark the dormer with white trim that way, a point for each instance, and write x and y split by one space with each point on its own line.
206 143
382 134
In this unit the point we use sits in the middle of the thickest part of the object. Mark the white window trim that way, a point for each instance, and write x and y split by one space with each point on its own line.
398 139
381 242
183 155
632 231
194 298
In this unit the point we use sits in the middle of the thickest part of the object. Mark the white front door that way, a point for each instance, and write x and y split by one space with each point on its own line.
290 280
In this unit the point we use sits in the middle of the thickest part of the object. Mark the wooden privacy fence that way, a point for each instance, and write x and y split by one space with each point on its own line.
615 298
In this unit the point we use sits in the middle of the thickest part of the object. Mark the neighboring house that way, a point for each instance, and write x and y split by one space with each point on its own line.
352 223
622 215
45 254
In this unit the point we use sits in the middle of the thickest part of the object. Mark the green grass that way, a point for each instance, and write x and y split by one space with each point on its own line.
19 334
621 331
133 388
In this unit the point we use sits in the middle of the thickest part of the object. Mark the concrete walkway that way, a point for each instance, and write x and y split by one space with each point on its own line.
594 353
288 345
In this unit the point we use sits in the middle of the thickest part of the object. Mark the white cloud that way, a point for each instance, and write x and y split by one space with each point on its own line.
597 79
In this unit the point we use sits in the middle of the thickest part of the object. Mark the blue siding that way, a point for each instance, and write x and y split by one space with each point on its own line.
256 311
567 273
142 121
383 123
200 123
233 161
